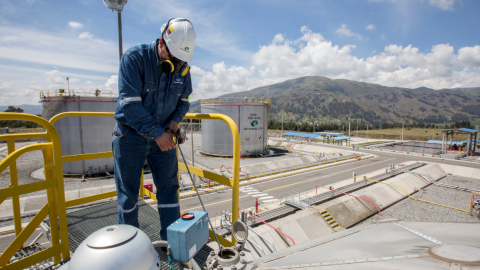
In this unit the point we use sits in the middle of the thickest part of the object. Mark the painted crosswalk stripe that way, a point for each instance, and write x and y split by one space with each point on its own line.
258 192
267 201
267 197
260 195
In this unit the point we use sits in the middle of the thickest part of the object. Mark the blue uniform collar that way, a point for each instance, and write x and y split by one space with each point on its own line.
154 48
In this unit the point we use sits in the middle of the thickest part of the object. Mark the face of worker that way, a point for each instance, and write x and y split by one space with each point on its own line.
162 50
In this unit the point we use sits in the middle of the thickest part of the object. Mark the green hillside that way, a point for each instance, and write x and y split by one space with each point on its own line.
320 98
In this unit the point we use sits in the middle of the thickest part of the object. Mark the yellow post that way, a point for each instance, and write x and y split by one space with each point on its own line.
52 202
60 189
17 218
142 189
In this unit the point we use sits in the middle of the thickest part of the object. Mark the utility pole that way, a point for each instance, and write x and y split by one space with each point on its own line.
349 138
402 131
282 128
366 137
314 131
357 129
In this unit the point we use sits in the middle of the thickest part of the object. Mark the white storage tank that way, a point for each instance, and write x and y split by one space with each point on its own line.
82 135
251 117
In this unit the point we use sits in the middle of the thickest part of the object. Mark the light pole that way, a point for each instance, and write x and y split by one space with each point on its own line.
68 83
402 131
117 5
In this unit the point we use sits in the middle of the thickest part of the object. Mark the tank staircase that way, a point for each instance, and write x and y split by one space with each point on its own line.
52 106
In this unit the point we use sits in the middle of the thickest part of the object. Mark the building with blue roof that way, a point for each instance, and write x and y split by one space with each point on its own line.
470 144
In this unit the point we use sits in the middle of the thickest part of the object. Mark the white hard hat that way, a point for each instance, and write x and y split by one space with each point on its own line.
180 38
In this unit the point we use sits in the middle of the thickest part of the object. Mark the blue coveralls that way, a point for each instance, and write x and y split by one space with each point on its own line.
148 100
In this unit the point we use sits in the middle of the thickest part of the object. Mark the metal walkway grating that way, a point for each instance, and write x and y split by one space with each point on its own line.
84 222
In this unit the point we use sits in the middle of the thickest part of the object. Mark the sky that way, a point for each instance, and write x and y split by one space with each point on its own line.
242 45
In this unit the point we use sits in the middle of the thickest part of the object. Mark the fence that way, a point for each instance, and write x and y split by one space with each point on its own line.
56 204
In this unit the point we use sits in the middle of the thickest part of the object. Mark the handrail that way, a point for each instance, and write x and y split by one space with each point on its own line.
232 169
55 208
268 225
358 197
57 205
256 245
78 92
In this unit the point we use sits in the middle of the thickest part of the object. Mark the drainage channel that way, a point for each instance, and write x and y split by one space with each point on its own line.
324 197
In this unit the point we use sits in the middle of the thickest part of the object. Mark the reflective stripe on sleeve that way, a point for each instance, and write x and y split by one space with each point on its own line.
128 210
130 99
184 99
168 205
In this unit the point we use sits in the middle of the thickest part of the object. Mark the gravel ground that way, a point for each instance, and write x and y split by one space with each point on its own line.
412 210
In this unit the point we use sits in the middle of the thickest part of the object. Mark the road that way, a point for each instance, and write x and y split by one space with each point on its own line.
301 182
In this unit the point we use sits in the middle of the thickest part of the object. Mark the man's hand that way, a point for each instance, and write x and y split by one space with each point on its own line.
173 126
165 142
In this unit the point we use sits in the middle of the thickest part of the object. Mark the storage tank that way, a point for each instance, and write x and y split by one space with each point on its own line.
251 117
82 135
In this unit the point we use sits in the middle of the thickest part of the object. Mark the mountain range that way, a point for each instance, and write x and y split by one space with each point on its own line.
315 97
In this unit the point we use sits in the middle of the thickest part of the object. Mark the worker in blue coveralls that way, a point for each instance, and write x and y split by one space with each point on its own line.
154 84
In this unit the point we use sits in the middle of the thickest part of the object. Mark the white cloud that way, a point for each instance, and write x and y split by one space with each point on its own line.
344 31
89 36
370 27
442 4
55 49
53 79
223 80
313 55
112 83
214 37
75 25
382 36
12 96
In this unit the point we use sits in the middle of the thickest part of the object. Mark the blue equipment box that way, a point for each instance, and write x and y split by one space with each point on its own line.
187 237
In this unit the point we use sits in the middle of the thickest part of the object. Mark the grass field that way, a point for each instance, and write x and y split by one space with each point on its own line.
413 134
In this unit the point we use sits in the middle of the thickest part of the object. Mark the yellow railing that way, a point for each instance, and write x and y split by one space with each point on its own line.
56 206
59 93
265 101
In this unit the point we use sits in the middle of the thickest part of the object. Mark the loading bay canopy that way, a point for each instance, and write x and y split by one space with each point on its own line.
471 142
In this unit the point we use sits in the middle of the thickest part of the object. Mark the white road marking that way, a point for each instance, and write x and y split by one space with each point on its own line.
267 197
259 195
256 192
268 201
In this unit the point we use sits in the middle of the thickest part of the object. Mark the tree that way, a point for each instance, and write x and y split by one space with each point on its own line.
13 109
